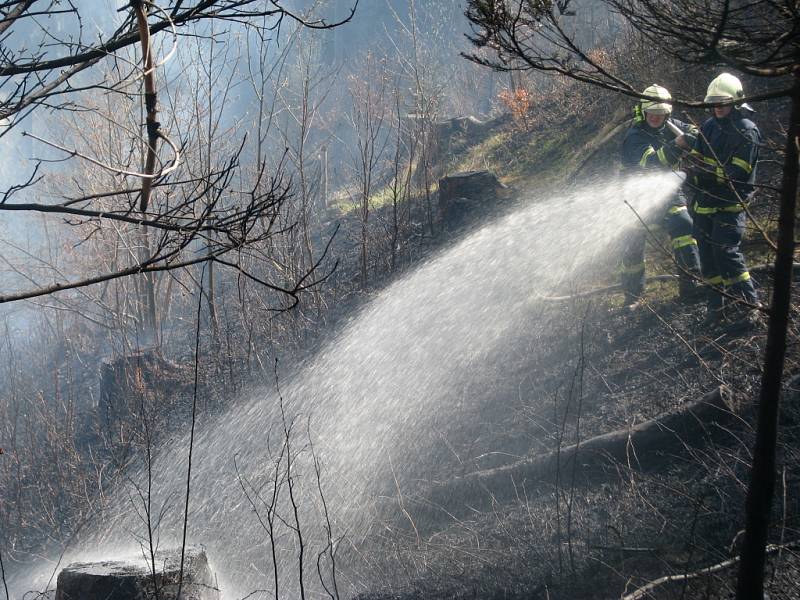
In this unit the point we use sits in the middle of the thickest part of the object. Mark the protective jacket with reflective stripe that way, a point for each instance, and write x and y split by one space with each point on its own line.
728 151
647 148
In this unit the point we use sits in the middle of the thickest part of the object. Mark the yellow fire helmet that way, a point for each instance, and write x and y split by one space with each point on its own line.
660 106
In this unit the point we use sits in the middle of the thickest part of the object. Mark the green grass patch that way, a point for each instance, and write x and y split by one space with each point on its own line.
514 155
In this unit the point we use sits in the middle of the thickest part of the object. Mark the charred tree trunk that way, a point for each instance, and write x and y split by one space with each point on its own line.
148 299
750 585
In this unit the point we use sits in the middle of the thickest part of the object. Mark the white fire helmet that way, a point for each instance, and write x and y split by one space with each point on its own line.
660 106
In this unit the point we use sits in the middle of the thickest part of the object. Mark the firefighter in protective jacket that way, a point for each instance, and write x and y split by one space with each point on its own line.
725 155
650 144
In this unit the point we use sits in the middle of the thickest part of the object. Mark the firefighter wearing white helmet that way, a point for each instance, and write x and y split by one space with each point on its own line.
650 144
725 152
726 88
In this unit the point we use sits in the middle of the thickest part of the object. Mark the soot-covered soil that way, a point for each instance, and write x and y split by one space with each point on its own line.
602 368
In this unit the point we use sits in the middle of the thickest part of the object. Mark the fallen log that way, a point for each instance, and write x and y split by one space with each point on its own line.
617 287
642 446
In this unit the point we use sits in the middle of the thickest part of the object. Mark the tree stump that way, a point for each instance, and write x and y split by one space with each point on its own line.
468 126
464 194
134 580
126 382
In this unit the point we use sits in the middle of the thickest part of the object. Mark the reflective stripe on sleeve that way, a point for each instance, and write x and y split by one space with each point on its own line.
719 171
674 210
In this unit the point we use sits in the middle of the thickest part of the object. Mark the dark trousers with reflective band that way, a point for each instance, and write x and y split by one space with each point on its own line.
719 237
678 224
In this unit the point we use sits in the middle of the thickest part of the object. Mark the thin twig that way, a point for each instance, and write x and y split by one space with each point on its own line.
191 435
3 575
645 589
174 165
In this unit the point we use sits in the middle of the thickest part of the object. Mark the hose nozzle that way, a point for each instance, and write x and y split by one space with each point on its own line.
674 128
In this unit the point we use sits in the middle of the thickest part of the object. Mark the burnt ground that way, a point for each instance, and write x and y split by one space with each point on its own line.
604 369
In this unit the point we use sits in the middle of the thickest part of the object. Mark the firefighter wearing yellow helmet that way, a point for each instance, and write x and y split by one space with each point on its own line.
650 144
725 152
